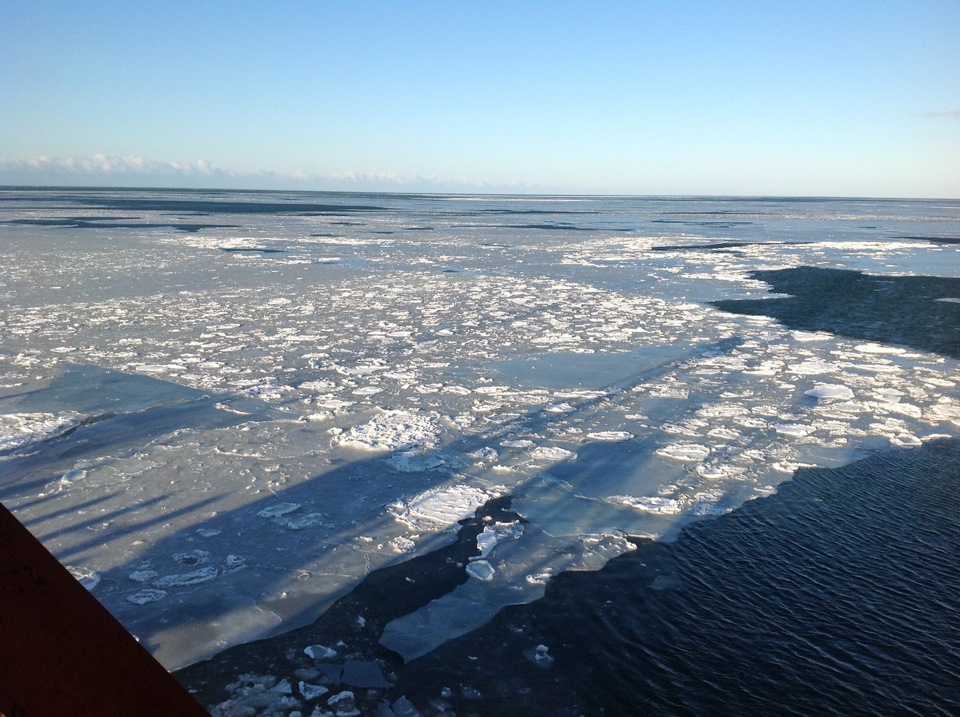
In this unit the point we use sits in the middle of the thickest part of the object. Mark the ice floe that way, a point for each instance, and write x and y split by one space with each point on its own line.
440 507
393 430
830 390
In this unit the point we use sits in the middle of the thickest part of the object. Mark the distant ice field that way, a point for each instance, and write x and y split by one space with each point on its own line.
223 409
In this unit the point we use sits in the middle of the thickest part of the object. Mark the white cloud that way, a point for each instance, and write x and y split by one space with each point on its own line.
105 164
136 170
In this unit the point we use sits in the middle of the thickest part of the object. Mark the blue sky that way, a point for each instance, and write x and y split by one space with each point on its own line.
841 98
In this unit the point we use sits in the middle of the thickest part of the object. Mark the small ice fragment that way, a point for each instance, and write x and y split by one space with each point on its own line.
143 576
539 655
305 521
516 443
343 704
367 391
481 570
319 652
684 452
403 707
312 692
414 461
830 390
494 534
142 597
539 578
234 561
207 532
559 408
279 509
86 577
714 471
402 544
552 453
878 349
73 476
809 336
283 687
484 454
649 504
610 436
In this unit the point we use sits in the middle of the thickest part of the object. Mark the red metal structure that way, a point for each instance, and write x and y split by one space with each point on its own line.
62 654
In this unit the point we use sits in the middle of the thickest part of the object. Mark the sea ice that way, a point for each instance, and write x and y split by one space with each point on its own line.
492 535
650 504
394 430
440 507
552 454
481 570
610 436
319 652
830 390
85 576
692 452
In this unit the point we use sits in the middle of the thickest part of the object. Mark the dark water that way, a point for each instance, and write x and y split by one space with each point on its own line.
905 310
840 595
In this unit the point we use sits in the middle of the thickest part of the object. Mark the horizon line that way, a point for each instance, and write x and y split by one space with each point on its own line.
545 195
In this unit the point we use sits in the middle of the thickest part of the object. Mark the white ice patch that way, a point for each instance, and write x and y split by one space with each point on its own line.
312 692
879 349
517 443
648 504
830 390
440 507
552 453
319 652
689 452
86 577
492 535
394 431
805 336
610 436
21 429
716 471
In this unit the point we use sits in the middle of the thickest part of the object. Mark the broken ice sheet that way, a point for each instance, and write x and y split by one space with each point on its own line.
389 410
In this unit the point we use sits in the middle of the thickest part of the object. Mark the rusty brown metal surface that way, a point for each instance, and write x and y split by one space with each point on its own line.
62 654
